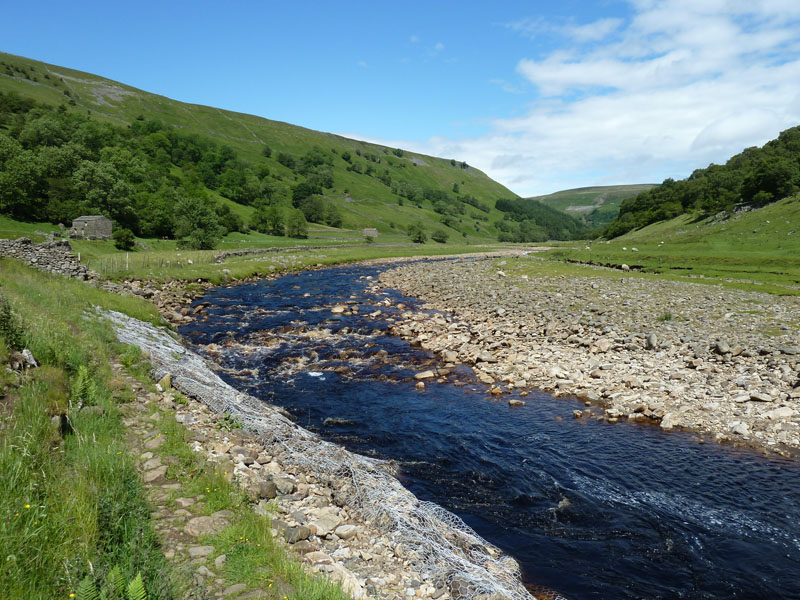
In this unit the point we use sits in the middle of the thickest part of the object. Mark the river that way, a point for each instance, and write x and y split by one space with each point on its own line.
590 509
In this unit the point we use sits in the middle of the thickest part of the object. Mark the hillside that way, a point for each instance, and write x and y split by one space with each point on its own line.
751 248
594 206
241 164
753 178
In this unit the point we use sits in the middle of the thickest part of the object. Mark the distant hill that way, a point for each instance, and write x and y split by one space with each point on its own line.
75 143
594 206
753 178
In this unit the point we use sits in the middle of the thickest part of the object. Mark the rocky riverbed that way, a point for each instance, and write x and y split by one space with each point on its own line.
722 362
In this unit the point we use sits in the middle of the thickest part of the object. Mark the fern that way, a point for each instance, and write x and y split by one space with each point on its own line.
83 389
87 590
115 585
136 589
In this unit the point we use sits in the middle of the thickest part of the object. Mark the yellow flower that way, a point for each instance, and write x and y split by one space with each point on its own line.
27 506
71 595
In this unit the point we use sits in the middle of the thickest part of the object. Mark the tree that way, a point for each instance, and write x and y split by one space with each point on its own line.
275 221
266 151
296 225
123 239
196 222
440 235
416 231
268 219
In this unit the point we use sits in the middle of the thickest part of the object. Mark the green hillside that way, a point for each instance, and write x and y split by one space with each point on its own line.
594 206
753 178
241 164
753 248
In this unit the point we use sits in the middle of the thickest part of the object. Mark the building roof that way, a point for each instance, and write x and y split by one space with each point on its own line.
91 218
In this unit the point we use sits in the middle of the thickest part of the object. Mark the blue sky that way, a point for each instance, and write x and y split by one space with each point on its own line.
540 95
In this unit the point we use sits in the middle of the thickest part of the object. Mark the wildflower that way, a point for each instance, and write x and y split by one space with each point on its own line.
72 594
27 506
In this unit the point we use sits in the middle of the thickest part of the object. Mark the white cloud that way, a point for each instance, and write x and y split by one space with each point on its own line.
679 85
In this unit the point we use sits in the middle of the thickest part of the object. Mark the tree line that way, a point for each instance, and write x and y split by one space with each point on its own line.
754 177
150 179
531 221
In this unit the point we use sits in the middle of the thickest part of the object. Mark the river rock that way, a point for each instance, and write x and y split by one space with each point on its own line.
208 525
760 397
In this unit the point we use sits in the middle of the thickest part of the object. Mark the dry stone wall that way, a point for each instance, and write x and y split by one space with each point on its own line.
53 256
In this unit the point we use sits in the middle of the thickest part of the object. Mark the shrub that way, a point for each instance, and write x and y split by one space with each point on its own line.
10 329
124 239
440 236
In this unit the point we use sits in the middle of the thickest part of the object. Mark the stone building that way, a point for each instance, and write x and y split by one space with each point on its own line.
370 232
93 227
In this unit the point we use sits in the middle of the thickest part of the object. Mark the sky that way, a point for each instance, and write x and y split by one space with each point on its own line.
542 96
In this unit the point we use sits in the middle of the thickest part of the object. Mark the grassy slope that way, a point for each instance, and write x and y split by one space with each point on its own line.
74 506
368 203
759 249
580 202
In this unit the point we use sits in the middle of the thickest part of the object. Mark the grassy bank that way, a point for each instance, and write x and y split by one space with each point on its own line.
181 264
72 507
70 499
758 250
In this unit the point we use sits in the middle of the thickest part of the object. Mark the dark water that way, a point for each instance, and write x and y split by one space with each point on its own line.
590 509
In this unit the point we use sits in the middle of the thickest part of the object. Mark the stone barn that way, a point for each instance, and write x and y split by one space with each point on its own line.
93 227
370 232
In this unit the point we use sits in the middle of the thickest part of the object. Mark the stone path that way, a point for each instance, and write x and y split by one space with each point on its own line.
176 511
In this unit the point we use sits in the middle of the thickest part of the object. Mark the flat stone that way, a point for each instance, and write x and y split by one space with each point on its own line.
154 443
152 464
284 485
783 412
516 402
236 588
196 551
184 502
220 561
206 525
346 532
155 476
204 571
296 534
425 375
325 523
318 558
760 397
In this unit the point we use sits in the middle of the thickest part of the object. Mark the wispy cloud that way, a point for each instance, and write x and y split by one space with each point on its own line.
679 84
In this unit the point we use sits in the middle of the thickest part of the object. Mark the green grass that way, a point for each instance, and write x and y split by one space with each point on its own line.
164 261
758 250
75 506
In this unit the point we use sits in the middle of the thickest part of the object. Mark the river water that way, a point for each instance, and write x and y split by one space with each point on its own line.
590 509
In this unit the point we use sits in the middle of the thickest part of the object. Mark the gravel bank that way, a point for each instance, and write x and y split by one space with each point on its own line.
722 362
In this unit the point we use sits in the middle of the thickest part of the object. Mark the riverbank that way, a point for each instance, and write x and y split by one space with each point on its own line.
720 362
346 515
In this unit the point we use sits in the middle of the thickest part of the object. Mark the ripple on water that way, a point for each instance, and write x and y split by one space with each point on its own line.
590 509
